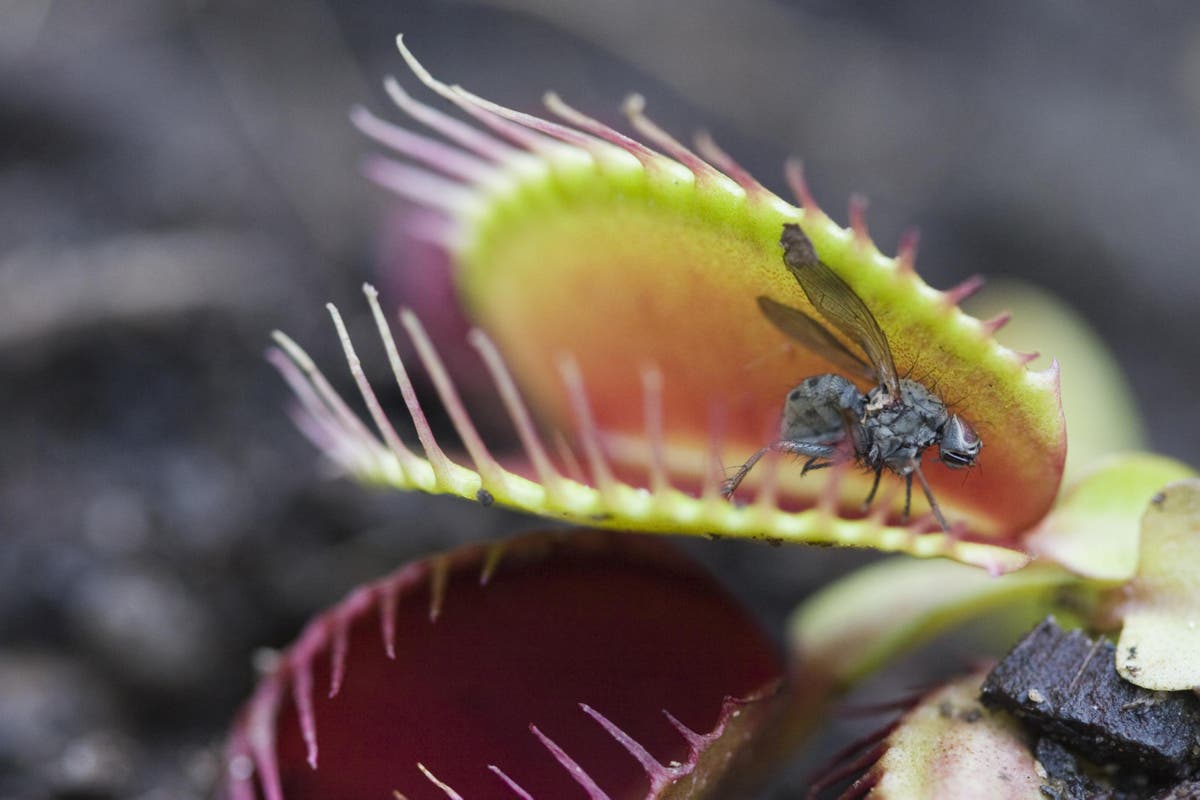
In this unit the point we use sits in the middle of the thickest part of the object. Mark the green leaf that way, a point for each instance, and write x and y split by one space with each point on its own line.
856 625
1159 646
1094 529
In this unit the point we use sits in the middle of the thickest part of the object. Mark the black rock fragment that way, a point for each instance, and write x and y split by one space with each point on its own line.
1065 686
1064 778
1188 790
1070 777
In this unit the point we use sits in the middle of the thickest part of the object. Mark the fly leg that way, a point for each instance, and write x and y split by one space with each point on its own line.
814 463
813 451
933 505
866 506
907 498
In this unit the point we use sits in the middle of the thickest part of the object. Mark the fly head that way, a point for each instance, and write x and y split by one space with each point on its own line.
959 445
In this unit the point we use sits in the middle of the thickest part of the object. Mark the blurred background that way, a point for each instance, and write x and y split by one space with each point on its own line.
177 179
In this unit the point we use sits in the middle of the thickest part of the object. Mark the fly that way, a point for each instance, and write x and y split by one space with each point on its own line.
826 416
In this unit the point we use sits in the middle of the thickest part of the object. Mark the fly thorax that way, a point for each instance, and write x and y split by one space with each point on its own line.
878 399
900 429
923 400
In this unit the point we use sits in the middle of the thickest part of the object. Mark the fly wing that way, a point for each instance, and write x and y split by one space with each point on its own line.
837 302
810 333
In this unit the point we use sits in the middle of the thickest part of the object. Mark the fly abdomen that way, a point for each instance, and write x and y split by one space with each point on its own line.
817 409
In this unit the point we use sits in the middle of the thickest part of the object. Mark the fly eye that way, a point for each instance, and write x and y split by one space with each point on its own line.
956 460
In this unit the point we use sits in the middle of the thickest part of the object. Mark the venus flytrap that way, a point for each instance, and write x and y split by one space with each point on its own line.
420 682
618 284
612 281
